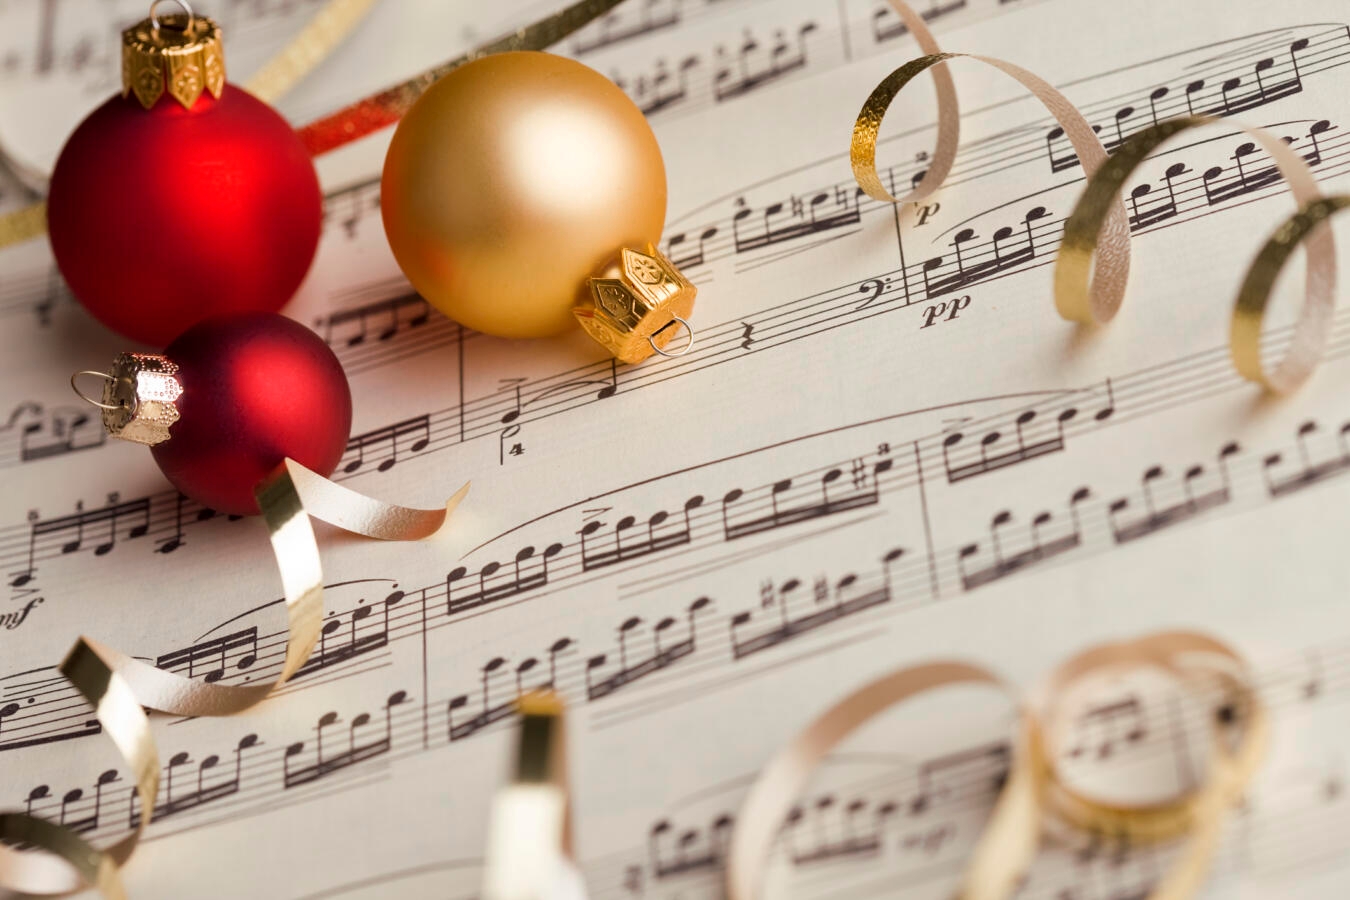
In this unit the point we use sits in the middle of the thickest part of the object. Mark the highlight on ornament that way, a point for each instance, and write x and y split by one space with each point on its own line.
566 174
1093 262
183 196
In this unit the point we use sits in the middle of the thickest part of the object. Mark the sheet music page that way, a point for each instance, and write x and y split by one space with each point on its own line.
885 448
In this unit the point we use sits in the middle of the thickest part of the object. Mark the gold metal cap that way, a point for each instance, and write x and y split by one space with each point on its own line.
138 398
180 53
632 304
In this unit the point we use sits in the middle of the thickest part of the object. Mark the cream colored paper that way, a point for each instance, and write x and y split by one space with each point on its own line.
808 362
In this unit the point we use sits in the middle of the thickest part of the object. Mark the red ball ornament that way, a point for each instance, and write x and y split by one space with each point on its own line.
183 198
230 399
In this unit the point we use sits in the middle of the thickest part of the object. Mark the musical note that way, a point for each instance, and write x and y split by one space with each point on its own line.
356 643
865 492
518 583
826 211
1310 473
62 431
663 89
170 544
686 859
47 735
853 842
204 793
1114 722
609 30
1229 101
327 764
969 274
414 432
1192 505
789 628
383 318
738 78
1024 451
1039 550
69 531
491 713
592 559
1160 211
215 652
984 764
661 657
886 25
692 258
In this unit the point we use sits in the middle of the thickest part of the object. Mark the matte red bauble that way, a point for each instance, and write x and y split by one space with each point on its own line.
230 399
198 202
257 388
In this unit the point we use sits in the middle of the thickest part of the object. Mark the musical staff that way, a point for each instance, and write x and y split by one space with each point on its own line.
661 657
354 753
1154 518
824 610
1038 549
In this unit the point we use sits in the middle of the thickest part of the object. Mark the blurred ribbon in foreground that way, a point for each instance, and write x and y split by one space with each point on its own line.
118 686
1093 264
1034 795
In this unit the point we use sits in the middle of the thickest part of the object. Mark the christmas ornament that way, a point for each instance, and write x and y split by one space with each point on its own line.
524 192
120 688
185 196
229 400
365 116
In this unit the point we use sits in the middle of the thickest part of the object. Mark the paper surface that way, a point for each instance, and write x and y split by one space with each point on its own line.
703 553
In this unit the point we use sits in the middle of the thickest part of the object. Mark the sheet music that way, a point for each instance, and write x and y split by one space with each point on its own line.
885 448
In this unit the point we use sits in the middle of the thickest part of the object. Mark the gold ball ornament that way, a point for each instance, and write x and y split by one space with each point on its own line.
524 193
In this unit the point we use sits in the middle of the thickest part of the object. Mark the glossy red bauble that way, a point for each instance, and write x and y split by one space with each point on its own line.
257 388
160 218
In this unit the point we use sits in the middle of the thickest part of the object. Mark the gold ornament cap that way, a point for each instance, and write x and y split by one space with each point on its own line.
139 395
179 53
631 306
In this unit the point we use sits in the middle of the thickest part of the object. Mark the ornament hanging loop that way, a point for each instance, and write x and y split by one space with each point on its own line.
191 16
676 353
74 386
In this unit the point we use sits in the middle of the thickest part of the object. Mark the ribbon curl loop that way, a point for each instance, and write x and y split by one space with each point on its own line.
1084 237
1314 326
118 686
1034 793
1113 260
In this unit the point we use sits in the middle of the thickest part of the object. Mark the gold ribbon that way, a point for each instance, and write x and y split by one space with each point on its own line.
321 35
23 224
529 845
1083 227
118 686
315 43
1314 323
388 106
1113 260
1033 793
1093 264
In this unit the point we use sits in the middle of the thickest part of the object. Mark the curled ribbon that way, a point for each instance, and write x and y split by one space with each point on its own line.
1093 264
313 44
1310 333
1034 795
118 686
1113 259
